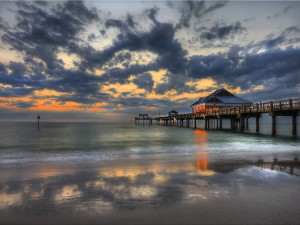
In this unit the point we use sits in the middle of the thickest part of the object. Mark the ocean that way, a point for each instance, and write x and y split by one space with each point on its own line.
121 173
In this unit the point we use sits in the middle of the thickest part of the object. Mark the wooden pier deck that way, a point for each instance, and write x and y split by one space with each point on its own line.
239 115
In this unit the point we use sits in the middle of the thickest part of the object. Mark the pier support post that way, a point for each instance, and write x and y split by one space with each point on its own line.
187 123
294 124
221 124
241 124
273 125
195 123
217 124
257 124
206 122
247 124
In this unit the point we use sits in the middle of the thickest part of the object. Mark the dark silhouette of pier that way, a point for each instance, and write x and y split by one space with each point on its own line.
143 118
239 116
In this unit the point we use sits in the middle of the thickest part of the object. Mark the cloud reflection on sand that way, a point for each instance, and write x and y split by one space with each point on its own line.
113 185
101 189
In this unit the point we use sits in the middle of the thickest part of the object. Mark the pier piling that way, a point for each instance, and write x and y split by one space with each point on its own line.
257 124
294 124
273 125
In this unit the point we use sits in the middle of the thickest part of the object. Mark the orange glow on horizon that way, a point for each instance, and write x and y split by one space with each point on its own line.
53 105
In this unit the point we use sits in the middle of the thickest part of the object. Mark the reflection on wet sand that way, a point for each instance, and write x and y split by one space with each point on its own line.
202 155
101 189
291 167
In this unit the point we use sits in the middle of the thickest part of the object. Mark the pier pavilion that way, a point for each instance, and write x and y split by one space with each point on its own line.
219 99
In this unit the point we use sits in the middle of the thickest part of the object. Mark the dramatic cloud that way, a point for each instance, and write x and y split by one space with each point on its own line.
159 40
194 9
221 31
39 33
89 57
252 69
144 81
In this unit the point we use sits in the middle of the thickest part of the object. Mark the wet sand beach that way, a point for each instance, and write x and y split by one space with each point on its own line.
186 191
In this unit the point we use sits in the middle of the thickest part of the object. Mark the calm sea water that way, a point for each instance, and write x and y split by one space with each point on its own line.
92 142
94 170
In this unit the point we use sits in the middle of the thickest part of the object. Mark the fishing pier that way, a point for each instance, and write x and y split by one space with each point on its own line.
238 116
143 118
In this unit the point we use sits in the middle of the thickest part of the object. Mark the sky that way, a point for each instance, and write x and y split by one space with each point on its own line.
108 61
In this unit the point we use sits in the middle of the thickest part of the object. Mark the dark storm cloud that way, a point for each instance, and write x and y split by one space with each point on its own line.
152 14
252 69
81 85
130 21
76 82
62 32
39 33
15 92
84 98
288 85
123 58
173 82
18 69
2 68
22 104
132 105
144 81
159 40
282 38
194 9
120 24
121 75
115 23
221 31
23 83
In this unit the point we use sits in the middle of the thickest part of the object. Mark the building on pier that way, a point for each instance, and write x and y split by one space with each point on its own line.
218 99
173 113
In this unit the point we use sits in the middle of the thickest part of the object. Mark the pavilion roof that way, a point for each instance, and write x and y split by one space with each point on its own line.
221 96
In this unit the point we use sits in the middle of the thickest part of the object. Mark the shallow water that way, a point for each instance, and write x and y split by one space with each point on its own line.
121 173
